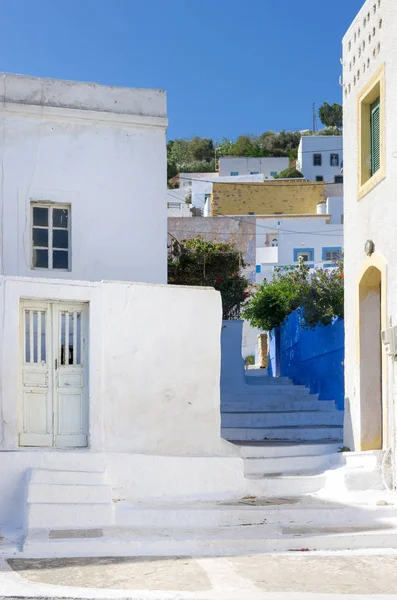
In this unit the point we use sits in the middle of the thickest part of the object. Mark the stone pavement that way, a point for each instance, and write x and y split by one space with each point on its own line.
259 577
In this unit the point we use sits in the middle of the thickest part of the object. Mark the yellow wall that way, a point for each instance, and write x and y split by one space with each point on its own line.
269 197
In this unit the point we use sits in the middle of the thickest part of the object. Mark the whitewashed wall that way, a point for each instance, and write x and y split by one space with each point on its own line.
324 145
151 391
373 216
101 150
244 166
312 232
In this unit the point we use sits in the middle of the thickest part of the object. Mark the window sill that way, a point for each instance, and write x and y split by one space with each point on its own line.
369 185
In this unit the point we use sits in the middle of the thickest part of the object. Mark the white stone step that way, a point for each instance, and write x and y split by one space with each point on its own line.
282 419
284 486
240 513
67 477
68 516
289 464
273 390
227 542
266 380
275 403
297 434
278 450
69 493
369 461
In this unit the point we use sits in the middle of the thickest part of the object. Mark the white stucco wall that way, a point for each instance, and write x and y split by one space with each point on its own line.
374 215
300 232
324 145
151 391
245 166
100 150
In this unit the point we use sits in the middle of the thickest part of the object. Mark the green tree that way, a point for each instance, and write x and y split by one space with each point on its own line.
201 149
290 173
317 293
331 115
216 264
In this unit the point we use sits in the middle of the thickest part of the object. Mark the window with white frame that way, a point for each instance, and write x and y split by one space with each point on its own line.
50 236
334 160
317 160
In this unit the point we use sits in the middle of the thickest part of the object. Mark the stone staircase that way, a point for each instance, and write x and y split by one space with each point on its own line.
66 504
274 409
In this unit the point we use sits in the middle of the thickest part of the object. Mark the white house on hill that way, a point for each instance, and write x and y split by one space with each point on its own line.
320 158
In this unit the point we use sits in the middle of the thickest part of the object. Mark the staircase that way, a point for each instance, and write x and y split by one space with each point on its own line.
273 409
66 504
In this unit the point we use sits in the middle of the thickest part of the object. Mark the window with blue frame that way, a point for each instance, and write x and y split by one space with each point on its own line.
331 254
307 254
273 173
254 172
234 173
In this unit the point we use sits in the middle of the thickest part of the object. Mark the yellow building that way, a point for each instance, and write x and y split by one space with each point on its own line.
267 198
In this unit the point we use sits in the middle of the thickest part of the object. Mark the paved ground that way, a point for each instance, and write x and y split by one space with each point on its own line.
259 577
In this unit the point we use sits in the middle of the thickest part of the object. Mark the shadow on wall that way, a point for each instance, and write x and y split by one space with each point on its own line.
314 358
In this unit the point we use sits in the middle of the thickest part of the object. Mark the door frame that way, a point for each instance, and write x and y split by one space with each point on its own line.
54 307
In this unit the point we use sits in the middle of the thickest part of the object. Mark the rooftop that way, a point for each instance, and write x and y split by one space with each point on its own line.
58 93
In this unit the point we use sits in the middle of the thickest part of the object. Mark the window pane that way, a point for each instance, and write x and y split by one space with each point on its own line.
40 216
60 217
43 337
71 340
60 238
40 237
78 358
35 337
27 336
40 258
63 335
60 259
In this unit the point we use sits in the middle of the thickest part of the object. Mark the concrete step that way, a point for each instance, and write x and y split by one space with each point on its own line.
239 513
67 477
296 434
261 466
223 542
69 493
68 516
277 403
280 449
266 380
284 486
282 419
270 390
288 465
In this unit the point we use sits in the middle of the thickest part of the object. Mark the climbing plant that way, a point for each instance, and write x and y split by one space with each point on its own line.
216 264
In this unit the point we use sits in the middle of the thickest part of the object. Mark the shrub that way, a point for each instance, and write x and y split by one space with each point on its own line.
318 293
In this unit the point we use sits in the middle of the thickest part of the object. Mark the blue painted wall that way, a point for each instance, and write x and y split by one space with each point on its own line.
312 358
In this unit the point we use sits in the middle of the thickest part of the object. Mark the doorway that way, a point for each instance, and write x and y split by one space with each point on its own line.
371 360
54 391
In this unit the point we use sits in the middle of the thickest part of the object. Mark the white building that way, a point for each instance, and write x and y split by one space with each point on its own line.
370 133
267 166
185 180
85 364
320 158
78 191
281 240
176 203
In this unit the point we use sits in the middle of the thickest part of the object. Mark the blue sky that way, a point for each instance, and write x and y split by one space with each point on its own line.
229 66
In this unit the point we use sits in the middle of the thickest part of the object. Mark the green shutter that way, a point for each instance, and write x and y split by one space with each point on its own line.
375 136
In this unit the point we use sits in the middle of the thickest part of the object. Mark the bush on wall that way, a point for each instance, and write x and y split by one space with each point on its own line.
318 293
